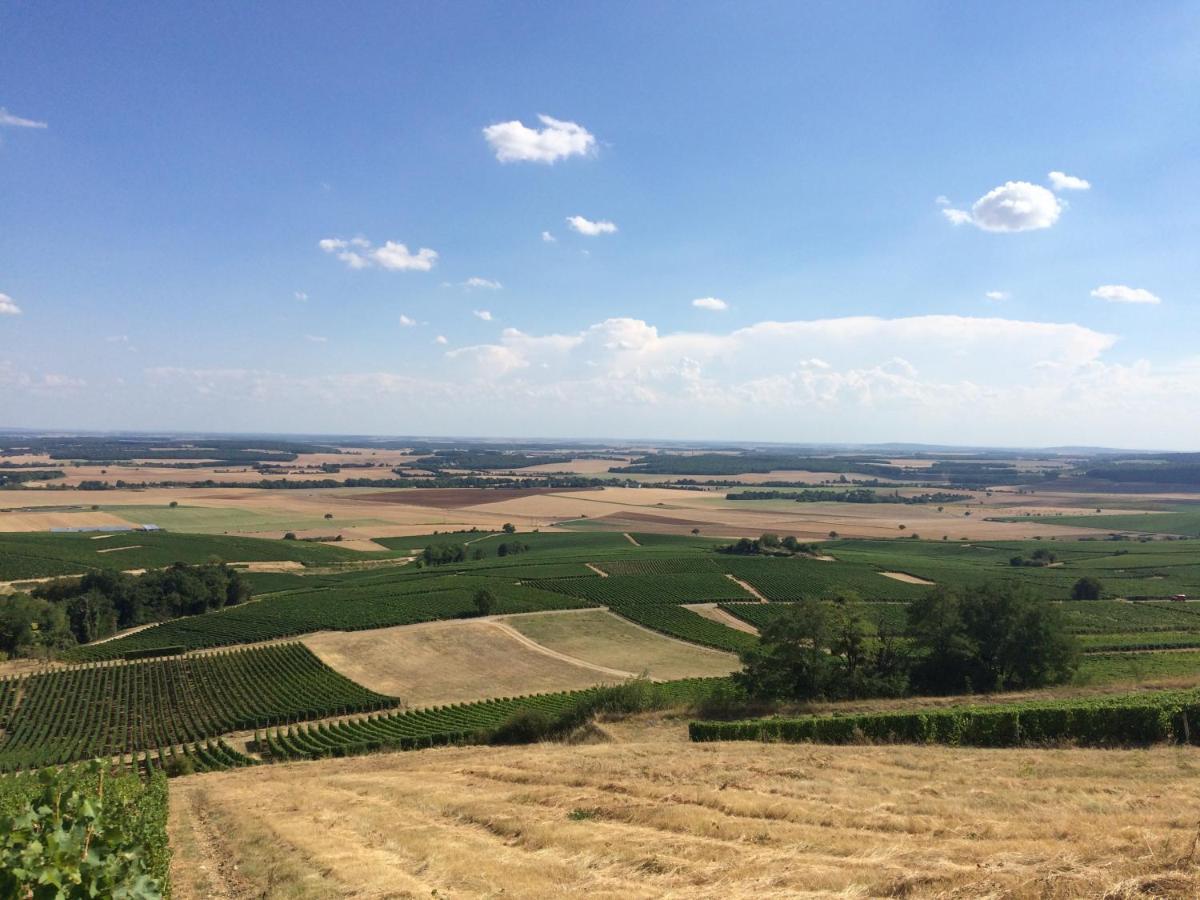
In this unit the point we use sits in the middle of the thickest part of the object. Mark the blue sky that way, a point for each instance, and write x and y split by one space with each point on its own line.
169 172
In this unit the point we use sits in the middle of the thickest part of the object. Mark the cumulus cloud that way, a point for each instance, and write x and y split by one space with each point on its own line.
359 253
516 142
997 296
8 306
1014 206
1061 181
441 339
1120 293
590 228
548 237
9 120
953 379
486 284
710 303
406 322
483 314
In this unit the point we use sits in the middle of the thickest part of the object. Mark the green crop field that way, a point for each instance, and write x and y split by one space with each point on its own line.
41 554
1185 521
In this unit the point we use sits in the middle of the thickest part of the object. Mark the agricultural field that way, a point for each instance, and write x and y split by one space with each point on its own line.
648 815
39 555
75 713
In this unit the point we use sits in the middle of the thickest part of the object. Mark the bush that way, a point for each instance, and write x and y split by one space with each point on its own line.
1087 588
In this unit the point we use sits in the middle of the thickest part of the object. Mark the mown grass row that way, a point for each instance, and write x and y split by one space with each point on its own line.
1135 720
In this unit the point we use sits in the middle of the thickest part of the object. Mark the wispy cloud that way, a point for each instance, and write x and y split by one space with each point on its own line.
714 304
549 238
486 284
1061 181
301 296
590 228
316 338
406 322
9 120
997 296
8 306
441 339
516 142
483 314
1120 293
359 253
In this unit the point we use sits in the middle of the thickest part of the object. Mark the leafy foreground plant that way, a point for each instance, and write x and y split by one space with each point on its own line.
72 842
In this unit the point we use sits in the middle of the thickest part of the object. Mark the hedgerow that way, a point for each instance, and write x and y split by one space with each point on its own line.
1166 717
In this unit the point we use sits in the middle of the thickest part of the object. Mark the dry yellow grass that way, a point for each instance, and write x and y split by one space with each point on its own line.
451 662
601 638
654 818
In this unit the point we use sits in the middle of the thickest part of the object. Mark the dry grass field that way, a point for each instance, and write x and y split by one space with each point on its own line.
455 661
650 816
504 656
601 638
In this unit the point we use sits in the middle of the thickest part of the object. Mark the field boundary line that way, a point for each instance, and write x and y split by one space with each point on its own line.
595 568
629 537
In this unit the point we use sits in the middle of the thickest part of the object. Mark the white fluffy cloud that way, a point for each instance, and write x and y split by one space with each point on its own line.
1120 293
11 121
548 237
951 379
516 142
1014 206
483 314
406 322
441 339
997 296
714 304
590 228
8 306
359 253
1061 181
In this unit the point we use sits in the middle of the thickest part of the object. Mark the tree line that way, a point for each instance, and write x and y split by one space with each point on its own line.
995 637
64 612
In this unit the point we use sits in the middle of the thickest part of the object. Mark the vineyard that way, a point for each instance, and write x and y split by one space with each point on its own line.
111 710
380 603
1134 720
684 624
664 589
37 555
455 724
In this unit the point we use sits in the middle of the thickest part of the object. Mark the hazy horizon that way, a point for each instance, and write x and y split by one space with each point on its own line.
783 223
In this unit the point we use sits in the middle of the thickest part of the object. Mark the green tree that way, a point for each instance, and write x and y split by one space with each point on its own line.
791 660
510 528
1087 588
485 601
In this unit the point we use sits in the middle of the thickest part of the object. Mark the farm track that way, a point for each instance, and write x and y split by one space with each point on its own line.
748 588
714 613
205 869
595 568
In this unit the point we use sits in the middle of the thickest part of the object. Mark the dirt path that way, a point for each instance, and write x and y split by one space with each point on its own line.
629 537
554 654
745 586
202 866
120 634
597 570
713 613
906 578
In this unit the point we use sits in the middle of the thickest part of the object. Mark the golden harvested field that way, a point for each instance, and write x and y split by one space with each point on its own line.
651 816
456 661
601 638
